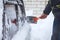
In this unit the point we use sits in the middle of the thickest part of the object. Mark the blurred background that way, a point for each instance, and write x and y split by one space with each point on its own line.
37 6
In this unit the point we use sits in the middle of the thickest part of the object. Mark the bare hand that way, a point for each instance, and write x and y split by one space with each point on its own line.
43 16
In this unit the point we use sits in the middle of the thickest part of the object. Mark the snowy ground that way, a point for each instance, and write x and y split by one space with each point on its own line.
40 31
43 29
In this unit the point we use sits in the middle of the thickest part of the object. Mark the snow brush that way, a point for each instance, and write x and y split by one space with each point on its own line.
32 19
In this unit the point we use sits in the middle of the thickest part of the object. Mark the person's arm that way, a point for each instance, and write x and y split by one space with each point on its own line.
48 8
46 11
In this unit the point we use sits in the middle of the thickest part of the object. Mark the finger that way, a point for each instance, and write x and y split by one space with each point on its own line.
42 17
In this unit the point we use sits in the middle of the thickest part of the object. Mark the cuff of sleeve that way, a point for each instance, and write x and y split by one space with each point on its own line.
46 12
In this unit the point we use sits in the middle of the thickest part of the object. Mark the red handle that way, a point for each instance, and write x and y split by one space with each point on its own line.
35 19
14 21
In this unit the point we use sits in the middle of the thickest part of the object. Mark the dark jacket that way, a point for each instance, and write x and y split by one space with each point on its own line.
51 6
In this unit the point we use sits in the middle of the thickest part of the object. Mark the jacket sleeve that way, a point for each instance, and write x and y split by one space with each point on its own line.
48 8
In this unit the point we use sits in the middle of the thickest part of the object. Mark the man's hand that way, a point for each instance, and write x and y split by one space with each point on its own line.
43 16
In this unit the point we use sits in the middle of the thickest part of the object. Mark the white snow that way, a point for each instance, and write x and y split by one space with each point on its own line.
43 29
40 31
